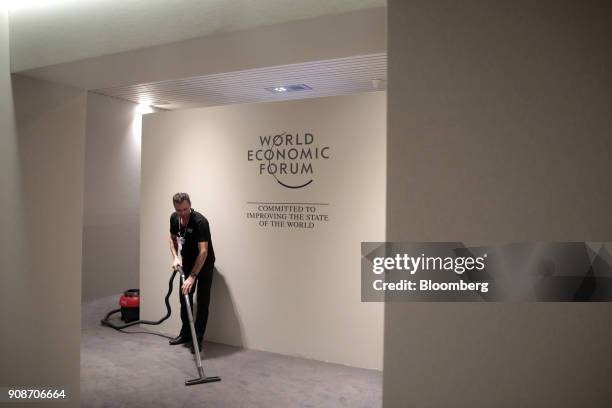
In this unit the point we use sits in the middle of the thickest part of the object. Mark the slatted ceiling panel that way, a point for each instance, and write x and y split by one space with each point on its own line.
327 78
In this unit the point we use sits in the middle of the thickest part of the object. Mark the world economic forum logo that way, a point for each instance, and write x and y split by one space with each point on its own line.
290 158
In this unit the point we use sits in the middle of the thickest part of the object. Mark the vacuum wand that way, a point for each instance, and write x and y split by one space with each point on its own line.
202 379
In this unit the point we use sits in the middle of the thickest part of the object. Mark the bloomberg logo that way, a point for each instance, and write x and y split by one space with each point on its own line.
288 157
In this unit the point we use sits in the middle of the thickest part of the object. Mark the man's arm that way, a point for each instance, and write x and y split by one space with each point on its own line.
203 247
176 261
199 263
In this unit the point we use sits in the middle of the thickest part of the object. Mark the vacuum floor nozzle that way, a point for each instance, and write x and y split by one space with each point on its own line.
202 380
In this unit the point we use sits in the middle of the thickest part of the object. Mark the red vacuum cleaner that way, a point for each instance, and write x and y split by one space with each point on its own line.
130 305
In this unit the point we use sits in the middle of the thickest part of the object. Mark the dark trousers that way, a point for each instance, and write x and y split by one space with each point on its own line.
203 284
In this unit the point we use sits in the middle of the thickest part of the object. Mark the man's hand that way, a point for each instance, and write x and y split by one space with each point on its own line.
187 285
176 264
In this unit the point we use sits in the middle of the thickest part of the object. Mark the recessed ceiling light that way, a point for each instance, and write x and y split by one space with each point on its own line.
379 84
143 109
288 88
152 102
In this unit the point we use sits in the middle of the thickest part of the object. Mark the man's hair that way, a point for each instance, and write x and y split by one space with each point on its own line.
180 197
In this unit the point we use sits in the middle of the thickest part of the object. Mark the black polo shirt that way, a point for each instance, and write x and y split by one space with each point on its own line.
197 230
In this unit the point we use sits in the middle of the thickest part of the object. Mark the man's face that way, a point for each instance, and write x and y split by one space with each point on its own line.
183 209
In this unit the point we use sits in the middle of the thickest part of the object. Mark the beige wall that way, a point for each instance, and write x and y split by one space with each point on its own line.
293 292
111 197
42 187
499 130
13 259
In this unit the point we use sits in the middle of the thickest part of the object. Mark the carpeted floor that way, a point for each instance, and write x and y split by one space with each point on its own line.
142 370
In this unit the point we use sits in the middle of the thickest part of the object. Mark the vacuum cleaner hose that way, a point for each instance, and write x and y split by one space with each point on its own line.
107 322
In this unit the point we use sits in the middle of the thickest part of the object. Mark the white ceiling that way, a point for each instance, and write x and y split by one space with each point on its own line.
61 31
327 78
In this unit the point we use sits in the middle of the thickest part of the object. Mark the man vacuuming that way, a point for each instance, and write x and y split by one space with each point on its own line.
189 230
